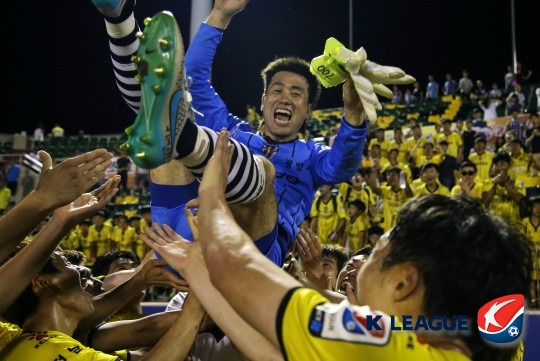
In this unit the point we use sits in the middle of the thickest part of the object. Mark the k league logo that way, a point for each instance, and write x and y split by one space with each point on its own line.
501 321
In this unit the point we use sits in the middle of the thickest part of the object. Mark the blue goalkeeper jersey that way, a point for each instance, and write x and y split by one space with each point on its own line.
301 166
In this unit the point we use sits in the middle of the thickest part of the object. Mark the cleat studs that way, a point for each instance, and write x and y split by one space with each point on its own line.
147 21
159 71
155 88
138 78
164 44
140 155
145 139
136 59
128 132
140 35
124 146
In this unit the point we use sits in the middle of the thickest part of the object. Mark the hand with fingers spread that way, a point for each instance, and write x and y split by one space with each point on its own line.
177 251
155 273
311 256
63 183
87 204
217 170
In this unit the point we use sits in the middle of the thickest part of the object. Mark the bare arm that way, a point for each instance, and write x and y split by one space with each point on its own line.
373 183
17 273
145 332
57 187
150 273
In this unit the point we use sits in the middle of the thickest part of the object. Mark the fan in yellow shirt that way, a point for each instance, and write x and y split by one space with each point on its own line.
455 144
393 160
87 245
428 157
416 141
482 158
359 190
393 196
101 233
499 194
328 216
146 214
355 230
431 185
5 196
140 246
520 160
466 185
124 236
379 139
400 145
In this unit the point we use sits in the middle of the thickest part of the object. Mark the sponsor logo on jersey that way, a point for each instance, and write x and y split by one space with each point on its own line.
500 321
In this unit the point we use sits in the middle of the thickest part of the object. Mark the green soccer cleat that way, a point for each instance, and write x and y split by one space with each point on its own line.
165 104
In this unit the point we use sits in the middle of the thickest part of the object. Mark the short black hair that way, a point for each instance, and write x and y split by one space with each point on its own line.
427 165
375 230
502 157
394 169
294 65
468 163
358 204
74 257
335 252
102 264
364 251
466 257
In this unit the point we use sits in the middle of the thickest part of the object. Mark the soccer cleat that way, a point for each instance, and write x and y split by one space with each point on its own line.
110 8
165 106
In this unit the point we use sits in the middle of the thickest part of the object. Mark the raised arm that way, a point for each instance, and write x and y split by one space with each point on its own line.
150 273
18 272
339 163
57 187
198 63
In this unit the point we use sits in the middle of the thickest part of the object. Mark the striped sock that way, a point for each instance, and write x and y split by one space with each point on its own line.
123 44
246 178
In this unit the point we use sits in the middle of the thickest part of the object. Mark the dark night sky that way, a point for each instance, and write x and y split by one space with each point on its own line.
57 67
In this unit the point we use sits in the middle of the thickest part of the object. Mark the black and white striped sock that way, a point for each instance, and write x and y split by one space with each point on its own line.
246 178
123 44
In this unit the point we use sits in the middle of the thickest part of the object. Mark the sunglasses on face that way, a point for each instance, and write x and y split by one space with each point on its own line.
467 173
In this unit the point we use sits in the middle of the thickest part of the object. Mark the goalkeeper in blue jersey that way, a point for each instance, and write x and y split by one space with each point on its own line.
274 174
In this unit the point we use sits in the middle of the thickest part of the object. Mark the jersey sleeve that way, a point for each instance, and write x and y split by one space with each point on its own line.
198 63
338 164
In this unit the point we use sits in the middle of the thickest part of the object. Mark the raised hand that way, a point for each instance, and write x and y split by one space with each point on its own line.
65 182
311 255
223 12
177 251
87 203
154 272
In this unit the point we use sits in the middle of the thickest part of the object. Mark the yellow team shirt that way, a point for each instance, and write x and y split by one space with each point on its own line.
54 346
524 181
437 159
86 245
404 168
476 191
312 328
454 142
385 145
140 248
483 164
502 204
364 194
124 238
532 232
328 216
143 225
411 142
5 196
8 332
416 183
392 202
101 238
71 241
402 150
423 189
355 231
519 165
